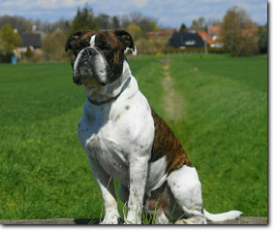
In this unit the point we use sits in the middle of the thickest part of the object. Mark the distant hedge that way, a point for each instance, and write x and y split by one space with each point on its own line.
186 50
191 50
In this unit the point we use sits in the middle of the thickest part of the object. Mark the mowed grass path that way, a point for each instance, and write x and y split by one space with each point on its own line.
224 128
44 172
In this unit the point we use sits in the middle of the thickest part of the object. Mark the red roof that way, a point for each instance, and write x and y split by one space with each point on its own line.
214 29
248 31
203 34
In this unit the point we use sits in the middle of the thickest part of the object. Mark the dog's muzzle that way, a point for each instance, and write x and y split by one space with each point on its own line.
90 64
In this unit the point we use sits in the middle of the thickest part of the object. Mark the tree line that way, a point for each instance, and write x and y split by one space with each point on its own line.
239 34
56 33
84 18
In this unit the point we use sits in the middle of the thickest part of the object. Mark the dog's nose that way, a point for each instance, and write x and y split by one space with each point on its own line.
88 52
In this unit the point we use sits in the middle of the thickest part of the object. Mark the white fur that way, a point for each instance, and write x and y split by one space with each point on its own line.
77 60
92 41
118 138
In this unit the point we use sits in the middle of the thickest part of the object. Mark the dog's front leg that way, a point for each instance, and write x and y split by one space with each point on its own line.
105 183
138 169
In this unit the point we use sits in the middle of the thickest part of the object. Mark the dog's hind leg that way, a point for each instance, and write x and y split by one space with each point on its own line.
186 189
161 218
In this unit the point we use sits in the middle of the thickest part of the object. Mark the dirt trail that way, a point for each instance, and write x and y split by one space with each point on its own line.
174 104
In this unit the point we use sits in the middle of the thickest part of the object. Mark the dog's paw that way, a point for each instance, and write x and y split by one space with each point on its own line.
133 218
111 220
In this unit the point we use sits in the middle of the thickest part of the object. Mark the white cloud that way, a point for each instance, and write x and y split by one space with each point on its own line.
6 4
140 3
49 4
250 7
75 3
44 4
211 1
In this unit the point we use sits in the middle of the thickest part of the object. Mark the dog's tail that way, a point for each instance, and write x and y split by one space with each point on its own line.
230 215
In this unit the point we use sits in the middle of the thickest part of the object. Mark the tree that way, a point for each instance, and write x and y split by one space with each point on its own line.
238 33
201 22
199 25
84 20
263 42
53 46
194 24
103 21
20 23
183 28
125 21
213 22
8 39
135 17
115 22
148 24
61 24
135 31
154 27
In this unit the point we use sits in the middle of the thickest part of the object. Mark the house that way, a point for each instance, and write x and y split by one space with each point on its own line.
212 31
249 32
213 39
185 40
203 35
32 41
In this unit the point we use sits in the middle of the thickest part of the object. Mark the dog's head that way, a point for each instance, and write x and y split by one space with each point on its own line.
99 55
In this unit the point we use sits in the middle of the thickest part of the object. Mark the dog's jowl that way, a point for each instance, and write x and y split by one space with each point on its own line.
126 140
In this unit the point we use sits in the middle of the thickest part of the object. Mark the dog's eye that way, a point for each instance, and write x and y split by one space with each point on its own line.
78 49
106 48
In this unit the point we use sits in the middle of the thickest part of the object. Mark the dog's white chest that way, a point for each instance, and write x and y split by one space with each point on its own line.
101 141
110 155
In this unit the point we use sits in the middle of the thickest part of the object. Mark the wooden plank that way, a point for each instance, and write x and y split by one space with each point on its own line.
86 221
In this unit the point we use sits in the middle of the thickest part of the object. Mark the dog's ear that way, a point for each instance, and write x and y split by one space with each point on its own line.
125 38
71 41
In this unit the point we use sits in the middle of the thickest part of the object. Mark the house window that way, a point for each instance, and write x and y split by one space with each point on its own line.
22 50
189 42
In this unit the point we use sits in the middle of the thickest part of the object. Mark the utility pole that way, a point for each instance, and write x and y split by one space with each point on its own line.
205 44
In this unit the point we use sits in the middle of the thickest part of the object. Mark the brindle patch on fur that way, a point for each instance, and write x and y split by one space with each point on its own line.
113 51
157 199
166 144
162 200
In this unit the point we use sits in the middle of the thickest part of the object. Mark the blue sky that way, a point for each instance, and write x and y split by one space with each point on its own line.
168 13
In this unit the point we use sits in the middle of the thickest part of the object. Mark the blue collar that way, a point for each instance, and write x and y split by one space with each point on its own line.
94 102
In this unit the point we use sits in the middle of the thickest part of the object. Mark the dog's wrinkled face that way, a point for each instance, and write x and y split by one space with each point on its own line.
98 56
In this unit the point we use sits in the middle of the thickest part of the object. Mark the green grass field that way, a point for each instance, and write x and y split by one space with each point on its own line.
44 172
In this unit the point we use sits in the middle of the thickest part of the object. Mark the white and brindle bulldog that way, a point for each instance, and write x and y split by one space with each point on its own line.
126 140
